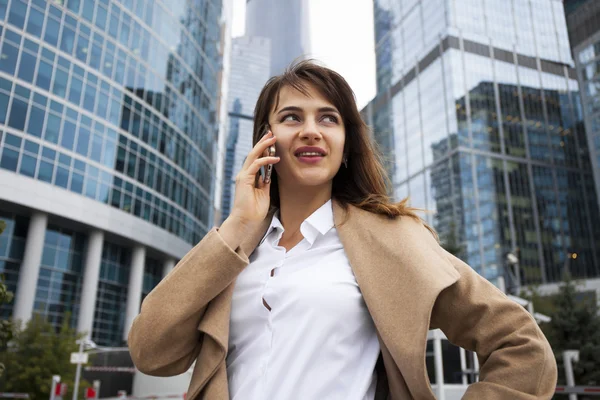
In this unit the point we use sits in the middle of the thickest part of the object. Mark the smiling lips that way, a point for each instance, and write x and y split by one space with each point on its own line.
310 154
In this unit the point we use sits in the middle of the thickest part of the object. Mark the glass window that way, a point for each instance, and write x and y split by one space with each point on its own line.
46 171
62 177
88 10
10 158
3 107
60 83
36 121
26 67
82 48
18 9
75 90
67 41
35 22
101 17
83 141
3 5
28 165
77 183
52 29
68 135
18 114
9 58
74 5
52 128
89 98
44 75
113 28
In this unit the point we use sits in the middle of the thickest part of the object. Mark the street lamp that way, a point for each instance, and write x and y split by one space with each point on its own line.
513 262
84 343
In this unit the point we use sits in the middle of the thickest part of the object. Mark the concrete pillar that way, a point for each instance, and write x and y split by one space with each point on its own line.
136 280
168 266
30 268
91 275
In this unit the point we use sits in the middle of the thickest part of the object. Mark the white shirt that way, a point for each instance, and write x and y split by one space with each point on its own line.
299 326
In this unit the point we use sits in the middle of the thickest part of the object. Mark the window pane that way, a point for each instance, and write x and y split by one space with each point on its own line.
82 48
18 9
89 98
83 141
88 10
75 90
62 177
28 164
26 67
43 76
35 22
67 41
18 114
9 159
46 171
52 128
52 29
3 107
68 135
77 183
74 5
9 58
60 83
36 121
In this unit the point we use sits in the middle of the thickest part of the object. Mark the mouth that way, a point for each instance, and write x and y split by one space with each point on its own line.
310 154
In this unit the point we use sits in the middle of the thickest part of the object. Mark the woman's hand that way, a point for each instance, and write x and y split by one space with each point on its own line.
251 201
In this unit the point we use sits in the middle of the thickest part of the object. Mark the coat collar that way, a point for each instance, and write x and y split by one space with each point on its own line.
400 270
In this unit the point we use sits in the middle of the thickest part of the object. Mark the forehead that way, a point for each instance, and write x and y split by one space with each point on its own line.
290 96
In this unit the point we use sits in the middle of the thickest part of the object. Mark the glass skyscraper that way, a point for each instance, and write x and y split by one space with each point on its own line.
286 24
249 71
583 22
479 114
107 152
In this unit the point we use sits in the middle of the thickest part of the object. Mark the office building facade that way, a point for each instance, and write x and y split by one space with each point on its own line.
583 23
107 152
286 24
479 114
249 71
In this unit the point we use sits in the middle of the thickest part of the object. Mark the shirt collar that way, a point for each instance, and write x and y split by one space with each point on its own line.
319 222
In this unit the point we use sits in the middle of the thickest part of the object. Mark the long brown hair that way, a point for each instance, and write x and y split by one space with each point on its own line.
364 183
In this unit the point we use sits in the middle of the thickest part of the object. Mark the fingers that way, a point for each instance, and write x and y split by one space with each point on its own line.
259 149
260 162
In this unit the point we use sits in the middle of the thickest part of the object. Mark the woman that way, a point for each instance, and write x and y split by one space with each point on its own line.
317 286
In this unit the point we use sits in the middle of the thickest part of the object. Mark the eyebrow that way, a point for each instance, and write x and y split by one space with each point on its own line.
298 109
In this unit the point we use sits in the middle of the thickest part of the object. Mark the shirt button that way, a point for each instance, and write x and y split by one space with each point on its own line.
273 272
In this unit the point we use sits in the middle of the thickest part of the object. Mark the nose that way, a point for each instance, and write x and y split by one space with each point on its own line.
310 131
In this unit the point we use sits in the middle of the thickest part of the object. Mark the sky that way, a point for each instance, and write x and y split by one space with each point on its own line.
342 38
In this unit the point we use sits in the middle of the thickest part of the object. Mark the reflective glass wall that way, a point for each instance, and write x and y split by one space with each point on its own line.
115 100
482 125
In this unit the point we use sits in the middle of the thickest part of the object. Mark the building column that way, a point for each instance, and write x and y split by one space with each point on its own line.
136 280
168 266
91 275
30 268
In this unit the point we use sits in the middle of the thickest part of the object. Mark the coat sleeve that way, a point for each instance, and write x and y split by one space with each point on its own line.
164 339
516 361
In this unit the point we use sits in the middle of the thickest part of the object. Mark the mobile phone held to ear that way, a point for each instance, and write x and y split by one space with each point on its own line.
269 168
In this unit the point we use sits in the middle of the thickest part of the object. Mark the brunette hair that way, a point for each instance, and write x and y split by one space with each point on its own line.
364 183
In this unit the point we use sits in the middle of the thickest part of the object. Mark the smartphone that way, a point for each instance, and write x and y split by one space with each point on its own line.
269 167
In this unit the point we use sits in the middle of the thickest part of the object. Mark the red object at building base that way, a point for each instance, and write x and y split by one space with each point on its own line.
90 393
61 389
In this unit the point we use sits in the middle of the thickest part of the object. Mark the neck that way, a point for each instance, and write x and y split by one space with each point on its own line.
298 203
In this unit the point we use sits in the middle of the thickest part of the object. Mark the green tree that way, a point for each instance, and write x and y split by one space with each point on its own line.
6 327
575 325
35 354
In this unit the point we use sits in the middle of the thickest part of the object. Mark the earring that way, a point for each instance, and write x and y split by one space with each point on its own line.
345 162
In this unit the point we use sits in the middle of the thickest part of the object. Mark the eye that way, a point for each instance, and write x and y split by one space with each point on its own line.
290 117
330 119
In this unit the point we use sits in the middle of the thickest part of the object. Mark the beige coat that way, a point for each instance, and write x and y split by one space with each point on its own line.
410 285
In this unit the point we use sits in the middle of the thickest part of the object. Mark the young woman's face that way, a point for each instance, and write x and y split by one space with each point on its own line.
310 138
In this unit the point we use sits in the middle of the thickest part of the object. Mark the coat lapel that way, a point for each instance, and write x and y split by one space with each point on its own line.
215 325
400 280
